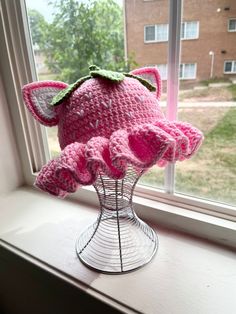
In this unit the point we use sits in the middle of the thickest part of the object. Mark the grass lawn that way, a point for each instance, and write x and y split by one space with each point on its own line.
232 89
208 94
54 146
212 172
47 77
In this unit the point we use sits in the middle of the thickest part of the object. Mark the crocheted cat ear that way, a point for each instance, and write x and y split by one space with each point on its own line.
152 75
38 96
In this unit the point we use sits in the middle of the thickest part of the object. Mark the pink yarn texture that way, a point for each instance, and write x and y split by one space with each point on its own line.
105 126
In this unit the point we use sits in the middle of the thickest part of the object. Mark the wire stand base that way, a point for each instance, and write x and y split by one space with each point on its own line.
118 241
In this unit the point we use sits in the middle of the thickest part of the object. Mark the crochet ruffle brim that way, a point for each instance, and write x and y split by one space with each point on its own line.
141 146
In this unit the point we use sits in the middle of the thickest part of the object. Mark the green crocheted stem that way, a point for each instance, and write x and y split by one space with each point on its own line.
93 68
65 93
95 71
110 75
147 84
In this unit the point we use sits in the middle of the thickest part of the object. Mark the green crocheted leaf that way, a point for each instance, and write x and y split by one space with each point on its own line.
65 93
149 86
97 72
110 75
94 68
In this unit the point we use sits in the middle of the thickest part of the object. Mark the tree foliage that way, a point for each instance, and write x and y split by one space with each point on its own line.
37 26
84 33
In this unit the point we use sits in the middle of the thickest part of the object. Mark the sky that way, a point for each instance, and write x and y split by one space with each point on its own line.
41 6
45 9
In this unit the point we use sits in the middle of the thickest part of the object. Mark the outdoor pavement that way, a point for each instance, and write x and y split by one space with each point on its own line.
189 104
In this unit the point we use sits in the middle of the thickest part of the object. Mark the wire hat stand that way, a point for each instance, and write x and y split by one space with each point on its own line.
118 241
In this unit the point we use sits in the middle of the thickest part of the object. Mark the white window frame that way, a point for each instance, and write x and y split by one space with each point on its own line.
184 24
195 72
232 30
233 66
155 40
19 69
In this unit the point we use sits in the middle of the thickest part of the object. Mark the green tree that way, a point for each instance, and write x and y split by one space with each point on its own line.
38 25
84 33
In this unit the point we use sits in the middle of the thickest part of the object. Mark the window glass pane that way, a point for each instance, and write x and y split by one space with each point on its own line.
189 71
234 68
156 13
162 32
149 33
191 30
228 66
181 67
70 35
163 70
232 25
182 31
210 174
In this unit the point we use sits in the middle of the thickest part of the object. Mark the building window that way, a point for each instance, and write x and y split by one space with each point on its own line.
161 32
187 71
155 33
194 178
189 30
230 67
163 71
149 33
232 25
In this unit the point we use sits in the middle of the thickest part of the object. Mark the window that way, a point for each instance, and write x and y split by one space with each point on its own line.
150 33
232 25
189 30
230 67
210 176
187 71
161 32
156 33
163 70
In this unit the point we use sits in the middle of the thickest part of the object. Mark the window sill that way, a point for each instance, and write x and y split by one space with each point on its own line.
220 230
44 230
187 39
156 42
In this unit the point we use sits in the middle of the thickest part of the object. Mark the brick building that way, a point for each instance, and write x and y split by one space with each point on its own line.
208 37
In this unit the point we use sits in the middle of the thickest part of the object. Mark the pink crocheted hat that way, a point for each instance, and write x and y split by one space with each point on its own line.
106 121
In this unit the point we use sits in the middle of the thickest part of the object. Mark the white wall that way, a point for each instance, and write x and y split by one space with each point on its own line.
11 175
